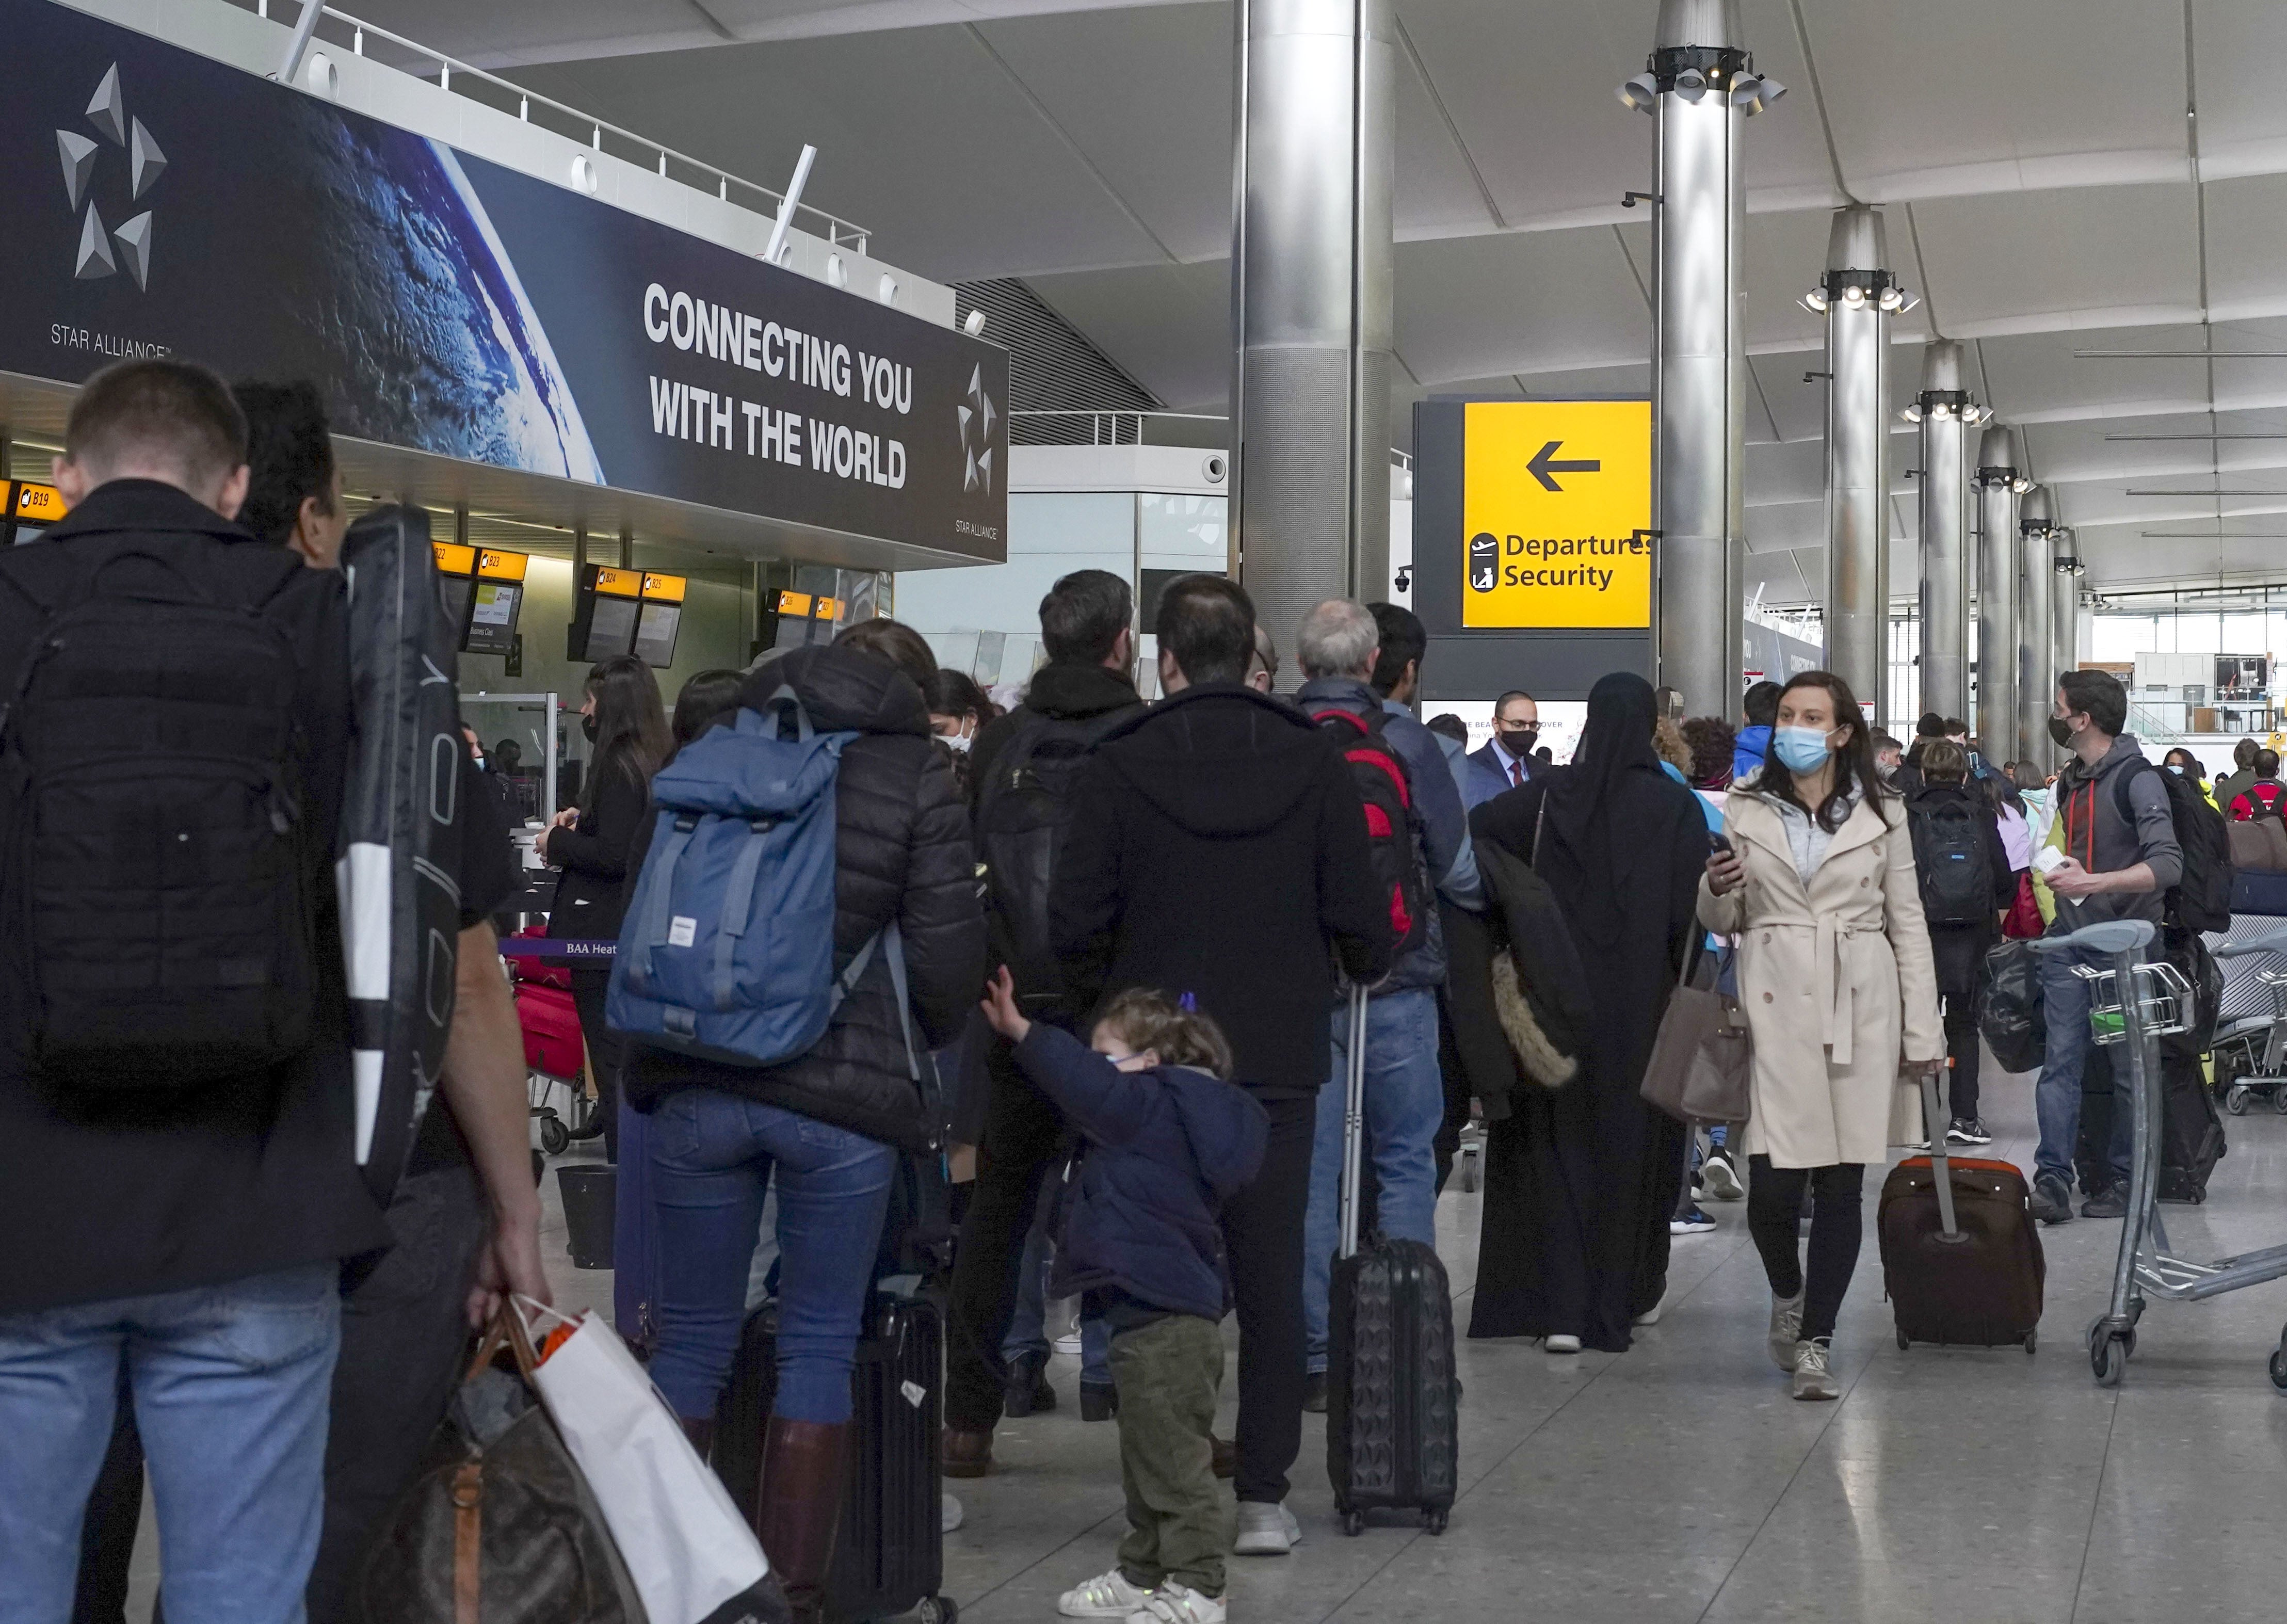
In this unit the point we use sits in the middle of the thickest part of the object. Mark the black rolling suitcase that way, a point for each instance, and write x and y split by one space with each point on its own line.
1961 1255
889 1553
1393 1400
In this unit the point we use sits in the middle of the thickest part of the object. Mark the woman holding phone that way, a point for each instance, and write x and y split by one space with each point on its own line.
1839 988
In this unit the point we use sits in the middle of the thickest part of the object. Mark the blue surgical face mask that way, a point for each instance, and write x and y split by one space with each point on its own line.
1801 750
2176 768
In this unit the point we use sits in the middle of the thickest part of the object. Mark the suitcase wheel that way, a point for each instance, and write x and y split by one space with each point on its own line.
2030 1338
2279 1367
1434 1521
1904 1342
937 1609
2279 1100
555 1138
1354 1523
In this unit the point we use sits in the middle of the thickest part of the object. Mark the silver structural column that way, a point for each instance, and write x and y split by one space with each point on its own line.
1998 484
1857 295
1698 84
2036 678
2064 602
1311 334
1946 414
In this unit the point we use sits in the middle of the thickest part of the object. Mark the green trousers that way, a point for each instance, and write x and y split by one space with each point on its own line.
1168 1374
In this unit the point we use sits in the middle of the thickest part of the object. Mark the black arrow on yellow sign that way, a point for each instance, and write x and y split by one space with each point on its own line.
1540 467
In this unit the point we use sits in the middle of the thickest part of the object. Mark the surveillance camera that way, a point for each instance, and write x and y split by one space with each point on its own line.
1215 467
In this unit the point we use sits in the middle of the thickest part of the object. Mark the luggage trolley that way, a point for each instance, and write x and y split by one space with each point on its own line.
2134 1004
2251 1054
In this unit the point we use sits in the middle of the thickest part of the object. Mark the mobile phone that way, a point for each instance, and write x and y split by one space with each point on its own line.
1718 842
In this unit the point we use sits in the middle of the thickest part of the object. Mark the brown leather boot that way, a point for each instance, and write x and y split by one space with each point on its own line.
702 1434
798 1506
967 1452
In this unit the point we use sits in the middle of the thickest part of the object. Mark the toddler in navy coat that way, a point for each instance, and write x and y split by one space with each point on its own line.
1166 1140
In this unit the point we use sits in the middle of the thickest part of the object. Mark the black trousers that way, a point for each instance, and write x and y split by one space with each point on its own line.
1775 1197
1262 1244
590 982
1451 1073
1023 1140
1959 952
405 1340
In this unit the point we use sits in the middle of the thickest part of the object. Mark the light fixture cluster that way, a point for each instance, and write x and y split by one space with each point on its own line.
1693 73
1945 405
1857 290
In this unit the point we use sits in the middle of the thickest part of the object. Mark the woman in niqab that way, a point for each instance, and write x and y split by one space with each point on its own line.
1581 1178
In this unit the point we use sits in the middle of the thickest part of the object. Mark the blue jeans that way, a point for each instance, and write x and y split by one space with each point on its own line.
2056 1098
231 1386
1028 1326
1404 1105
711 1159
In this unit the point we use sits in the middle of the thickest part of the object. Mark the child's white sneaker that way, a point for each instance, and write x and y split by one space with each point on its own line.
1174 1604
1107 1595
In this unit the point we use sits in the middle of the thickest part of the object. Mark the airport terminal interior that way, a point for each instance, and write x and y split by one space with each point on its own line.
1943 346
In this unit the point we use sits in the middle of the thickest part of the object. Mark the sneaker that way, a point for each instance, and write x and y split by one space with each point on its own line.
1812 1379
1650 1316
1692 1223
949 1514
2051 1199
1561 1342
1028 1391
2111 1203
1265 1529
1786 1329
1099 1401
1314 1392
1068 1344
1721 1178
1107 1595
1178 1604
1971 1132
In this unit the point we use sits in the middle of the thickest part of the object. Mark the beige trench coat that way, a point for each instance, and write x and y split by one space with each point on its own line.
1837 983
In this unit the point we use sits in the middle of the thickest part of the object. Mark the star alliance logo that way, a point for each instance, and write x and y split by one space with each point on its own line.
107 113
977 452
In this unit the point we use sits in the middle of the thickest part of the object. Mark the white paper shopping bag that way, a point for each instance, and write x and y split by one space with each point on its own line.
691 1555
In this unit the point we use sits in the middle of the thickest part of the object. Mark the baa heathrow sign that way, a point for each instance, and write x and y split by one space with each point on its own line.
1557 509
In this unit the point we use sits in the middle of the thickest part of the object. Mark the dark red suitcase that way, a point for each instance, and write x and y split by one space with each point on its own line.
1961 1255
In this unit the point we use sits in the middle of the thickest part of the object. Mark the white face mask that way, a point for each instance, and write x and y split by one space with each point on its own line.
957 742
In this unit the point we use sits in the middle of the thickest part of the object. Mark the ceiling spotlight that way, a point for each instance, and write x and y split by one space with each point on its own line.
1907 301
2021 485
1855 297
1940 412
1815 301
1973 414
1913 412
1756 94
1692 84
1641 92
1893 297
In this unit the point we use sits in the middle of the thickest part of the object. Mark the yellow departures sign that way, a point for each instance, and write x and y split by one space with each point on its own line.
1555 499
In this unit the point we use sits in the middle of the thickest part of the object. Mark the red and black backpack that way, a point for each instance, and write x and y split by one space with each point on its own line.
1392 826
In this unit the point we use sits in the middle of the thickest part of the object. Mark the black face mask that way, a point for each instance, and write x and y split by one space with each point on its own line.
2061 731
1518 741
588 727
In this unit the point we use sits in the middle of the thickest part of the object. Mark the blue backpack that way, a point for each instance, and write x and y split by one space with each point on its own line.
727 951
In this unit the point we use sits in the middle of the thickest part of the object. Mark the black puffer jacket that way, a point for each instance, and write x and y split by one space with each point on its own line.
901 851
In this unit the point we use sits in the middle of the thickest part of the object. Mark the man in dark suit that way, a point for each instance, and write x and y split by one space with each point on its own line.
1507 760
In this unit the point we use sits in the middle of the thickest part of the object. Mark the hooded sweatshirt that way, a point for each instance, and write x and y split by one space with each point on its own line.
1748 748
2089 799
1163 1150
1064 692
1218 847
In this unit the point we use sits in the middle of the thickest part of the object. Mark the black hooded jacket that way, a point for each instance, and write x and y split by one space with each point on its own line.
1067 693
902 851
1218 847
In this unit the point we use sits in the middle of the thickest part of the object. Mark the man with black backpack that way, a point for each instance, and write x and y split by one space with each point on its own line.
177 1174
2122 856
1023 767
1419 838
1965 883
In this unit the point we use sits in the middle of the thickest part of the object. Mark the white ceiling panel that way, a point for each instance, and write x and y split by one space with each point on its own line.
1169 326
1470 306
1992 259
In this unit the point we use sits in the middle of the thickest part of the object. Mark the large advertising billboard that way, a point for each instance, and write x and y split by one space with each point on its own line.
162 203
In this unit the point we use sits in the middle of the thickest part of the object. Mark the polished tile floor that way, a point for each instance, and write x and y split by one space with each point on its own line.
1679 1482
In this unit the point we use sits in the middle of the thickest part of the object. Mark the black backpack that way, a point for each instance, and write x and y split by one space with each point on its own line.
1022 810
2202 900
1392 826
1951 859
159 873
